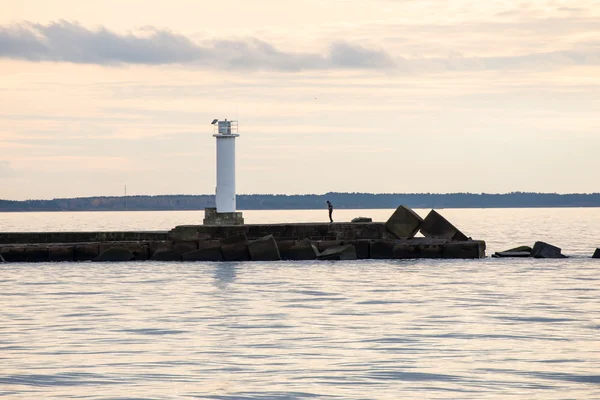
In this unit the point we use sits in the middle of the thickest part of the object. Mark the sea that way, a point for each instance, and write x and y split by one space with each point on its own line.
370 329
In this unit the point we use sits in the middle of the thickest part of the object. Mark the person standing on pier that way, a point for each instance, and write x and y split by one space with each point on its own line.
330 207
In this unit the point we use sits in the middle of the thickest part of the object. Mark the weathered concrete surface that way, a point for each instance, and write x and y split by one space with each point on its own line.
163 251
404 223
285 247
343 252
471 249
80 237
419 248
212 217
312 231
596 253
323 245
165 255
207 251
511 254
115 254
517 252
545 250
37 254
181 248
361 246
382 249
437 227
303 250
361 220
264 249
139 250
235 248
86 251
13 254
61 253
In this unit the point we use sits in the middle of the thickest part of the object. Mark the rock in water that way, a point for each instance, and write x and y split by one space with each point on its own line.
362 219
511 254
521 251
114 254
545 250
596 253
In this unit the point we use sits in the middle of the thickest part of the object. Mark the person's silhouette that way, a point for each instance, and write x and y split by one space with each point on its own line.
330 207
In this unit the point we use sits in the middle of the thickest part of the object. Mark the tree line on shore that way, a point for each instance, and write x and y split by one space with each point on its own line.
310 201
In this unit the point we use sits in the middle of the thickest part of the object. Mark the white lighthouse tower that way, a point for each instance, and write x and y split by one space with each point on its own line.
225 211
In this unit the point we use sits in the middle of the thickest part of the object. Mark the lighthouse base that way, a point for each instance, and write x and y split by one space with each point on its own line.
212 217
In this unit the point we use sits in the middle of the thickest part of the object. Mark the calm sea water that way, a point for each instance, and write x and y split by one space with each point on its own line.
430 329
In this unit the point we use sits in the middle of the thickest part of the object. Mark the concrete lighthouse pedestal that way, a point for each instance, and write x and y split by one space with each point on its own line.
225 211
212 217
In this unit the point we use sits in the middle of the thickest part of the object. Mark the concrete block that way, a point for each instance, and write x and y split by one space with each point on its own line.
511 254
284 247
182 247
115 254
212 217
303 250
140 251
165 255
323 245
185 233
207 251
436 226
37 254
545 250
13 254
361 219
404 223
86 252
471 249
153 247
362 248
264 249
343 252
235 248
419 248
382 249
61 253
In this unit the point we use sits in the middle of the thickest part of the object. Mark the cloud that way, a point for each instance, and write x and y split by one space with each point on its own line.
64 41
6 171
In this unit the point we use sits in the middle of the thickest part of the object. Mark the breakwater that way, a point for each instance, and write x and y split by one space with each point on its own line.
394 239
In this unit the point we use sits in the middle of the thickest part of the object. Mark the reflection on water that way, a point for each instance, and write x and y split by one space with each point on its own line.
224 274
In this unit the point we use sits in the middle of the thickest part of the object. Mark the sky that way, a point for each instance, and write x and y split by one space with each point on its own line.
382 96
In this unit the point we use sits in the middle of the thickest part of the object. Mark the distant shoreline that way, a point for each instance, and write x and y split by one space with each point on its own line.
355 201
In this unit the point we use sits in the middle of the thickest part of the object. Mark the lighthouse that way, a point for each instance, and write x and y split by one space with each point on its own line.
224 213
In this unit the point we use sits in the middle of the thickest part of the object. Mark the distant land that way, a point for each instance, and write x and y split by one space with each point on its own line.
308 201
